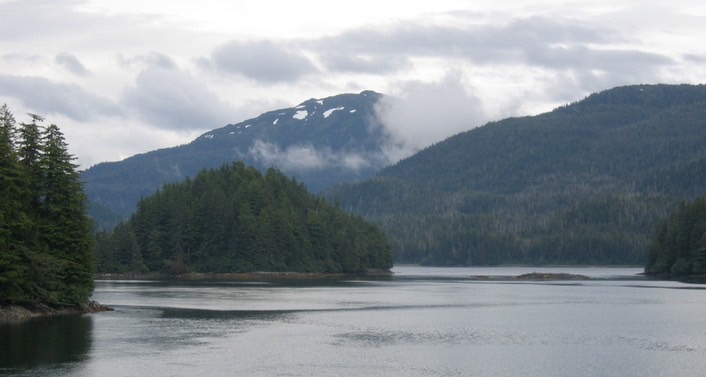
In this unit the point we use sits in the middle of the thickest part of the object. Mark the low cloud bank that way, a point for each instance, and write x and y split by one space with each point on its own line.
307 157
422 114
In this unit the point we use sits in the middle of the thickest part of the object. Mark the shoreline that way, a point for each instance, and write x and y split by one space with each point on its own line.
17 313
247 276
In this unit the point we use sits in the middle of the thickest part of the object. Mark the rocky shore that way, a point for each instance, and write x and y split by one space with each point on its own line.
19 313
544 276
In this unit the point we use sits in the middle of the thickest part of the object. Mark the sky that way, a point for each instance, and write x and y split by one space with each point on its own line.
121 77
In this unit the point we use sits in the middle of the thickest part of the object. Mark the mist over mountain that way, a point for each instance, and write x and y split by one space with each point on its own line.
320 142
585 183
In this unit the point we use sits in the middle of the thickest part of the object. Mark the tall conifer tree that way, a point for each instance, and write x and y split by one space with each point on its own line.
29 151
65 224
13 220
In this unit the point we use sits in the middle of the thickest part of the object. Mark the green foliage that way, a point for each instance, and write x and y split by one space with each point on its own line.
583 184
235 219
46 246
678 248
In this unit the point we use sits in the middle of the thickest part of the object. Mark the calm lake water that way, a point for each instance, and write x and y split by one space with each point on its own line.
420 322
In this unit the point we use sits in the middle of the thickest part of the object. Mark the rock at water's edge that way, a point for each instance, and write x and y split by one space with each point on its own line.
544 276
19 313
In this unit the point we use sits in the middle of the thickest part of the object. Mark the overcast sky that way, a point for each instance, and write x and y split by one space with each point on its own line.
122 77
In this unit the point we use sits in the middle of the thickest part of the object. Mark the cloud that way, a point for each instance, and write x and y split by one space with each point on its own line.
479 42
346 62
153 59
115 138
71 63
584 58
262 61
306 157
82 24
699 59
47 97
559 44
26 20
20 58
425 113
173 99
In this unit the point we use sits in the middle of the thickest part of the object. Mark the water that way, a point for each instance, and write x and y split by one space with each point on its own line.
421 322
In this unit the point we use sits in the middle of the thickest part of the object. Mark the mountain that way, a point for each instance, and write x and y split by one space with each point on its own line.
585 183
321 142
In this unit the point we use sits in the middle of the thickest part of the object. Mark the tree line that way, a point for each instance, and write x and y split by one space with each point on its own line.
678 249
236 219
46 239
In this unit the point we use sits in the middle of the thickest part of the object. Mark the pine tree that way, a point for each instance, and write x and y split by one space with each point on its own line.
13 220
10 205
65 225
29 150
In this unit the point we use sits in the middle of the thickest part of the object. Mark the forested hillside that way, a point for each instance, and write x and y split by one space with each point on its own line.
46 241
322 142
235 219
586 183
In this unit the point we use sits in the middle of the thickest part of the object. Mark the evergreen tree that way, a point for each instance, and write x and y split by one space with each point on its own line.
46 245
30 150
64 224
10 185
13 219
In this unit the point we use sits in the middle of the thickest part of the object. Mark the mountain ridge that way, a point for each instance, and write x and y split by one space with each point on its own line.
320 142
584 183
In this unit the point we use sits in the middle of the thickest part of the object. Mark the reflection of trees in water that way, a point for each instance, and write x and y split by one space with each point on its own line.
42 341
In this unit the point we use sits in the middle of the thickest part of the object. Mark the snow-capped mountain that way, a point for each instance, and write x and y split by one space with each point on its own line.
320 142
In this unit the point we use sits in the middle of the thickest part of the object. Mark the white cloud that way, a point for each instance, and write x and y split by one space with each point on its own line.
306 157
112 139
46 97
71 63
262 60
149 60
424 113
173 99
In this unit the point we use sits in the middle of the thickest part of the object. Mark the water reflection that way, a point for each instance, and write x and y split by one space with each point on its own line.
415 323
43 341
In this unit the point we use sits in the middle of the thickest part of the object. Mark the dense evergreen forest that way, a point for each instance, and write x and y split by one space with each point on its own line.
586 183
46 240
678 249
236 219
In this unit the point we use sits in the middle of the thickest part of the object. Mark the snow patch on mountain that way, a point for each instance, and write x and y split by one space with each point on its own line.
300 114
327 113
